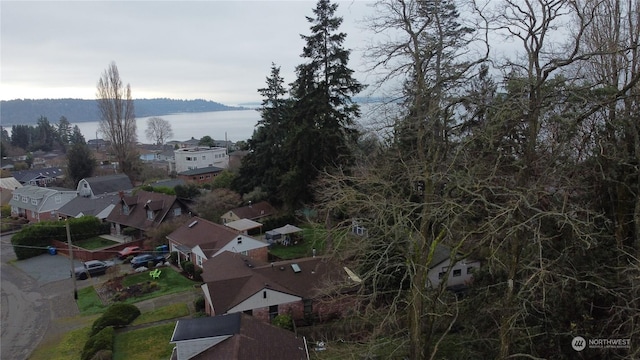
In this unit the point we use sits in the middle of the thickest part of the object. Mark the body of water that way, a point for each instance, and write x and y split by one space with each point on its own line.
237 125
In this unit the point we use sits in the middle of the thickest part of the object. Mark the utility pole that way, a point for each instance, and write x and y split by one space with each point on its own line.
73 272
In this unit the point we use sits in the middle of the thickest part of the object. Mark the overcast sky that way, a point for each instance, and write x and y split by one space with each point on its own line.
213 50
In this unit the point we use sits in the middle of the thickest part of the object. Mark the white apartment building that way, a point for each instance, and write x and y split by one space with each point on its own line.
200 157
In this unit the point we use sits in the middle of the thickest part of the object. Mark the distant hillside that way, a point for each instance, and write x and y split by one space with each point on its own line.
27 112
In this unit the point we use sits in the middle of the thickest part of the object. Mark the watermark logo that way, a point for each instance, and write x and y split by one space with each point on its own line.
578 343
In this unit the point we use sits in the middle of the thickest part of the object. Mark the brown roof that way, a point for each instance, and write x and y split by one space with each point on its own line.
198 231
232 278
137 203
254 211
257 340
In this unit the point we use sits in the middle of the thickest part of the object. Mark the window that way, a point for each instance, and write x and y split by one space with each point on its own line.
34 201
125 209
203 157
273 311
440 275
177 211
457 272
199 260
25 199
16 197
188 158
149 214
85 185
470 269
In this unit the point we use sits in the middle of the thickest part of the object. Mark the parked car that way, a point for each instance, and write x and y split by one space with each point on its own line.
143 260
128 251
92 268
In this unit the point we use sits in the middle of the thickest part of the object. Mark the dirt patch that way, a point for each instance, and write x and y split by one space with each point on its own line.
113 290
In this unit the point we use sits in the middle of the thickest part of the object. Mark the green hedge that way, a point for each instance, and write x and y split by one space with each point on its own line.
117 315
34 239
103 340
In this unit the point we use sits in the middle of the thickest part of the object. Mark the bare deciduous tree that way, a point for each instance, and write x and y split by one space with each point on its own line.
117 118
158 130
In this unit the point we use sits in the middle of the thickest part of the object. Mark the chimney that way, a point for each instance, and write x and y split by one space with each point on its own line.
121 194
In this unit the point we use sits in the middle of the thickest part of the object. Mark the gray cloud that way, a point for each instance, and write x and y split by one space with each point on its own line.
216 50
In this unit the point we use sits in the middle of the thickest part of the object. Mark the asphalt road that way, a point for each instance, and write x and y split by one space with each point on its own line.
25 312
34 292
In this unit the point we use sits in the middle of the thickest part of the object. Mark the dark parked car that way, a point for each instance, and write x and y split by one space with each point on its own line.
143 260
92 268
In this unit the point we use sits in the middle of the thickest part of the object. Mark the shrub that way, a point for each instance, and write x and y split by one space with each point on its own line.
283 321
103 340
197 274
188 267
173 258
117 315
5 211
199 304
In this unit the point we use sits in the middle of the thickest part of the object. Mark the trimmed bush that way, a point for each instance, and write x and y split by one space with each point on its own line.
103 340
198 304
173 258
283 321
188 267
116 315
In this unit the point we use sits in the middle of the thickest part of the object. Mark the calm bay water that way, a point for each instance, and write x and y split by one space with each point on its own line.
237 125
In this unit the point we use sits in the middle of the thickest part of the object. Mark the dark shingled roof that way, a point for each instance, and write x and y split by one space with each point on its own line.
137 217
254 211
250 338
199 328
231 278
202 232
109 184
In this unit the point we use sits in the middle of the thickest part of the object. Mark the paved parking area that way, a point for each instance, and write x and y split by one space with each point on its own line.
47 268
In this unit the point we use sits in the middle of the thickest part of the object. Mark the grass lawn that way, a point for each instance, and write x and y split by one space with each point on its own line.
311 238
169 282
89 302
94 243
150 343
164 313
69 347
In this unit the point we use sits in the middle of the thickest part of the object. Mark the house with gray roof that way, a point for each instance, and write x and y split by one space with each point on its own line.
457 275
104 185
100 206
39 177
234 337
38 203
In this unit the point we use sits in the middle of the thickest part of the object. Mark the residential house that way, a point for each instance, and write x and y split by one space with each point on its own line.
7 185
234 337
236 283
104 185
99 145
198 240
252 212
200 175
100 206
200 157
39 177
39 204
144 211
459 274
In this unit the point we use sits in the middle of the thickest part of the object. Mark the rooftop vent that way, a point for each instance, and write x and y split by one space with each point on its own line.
296 268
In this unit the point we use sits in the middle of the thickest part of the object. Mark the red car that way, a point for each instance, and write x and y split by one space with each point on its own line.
128 251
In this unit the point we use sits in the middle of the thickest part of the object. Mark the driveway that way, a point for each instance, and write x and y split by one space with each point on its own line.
46 268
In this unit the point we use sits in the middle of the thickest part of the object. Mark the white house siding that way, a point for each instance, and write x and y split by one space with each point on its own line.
190 348
264 298
463 266
242 244
200 157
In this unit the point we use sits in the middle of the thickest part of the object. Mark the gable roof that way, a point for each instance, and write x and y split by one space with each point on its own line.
24 176
249 338
204 233
109 184
243 225
231 278
137 217
254 211
9 183
440 254
99 207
